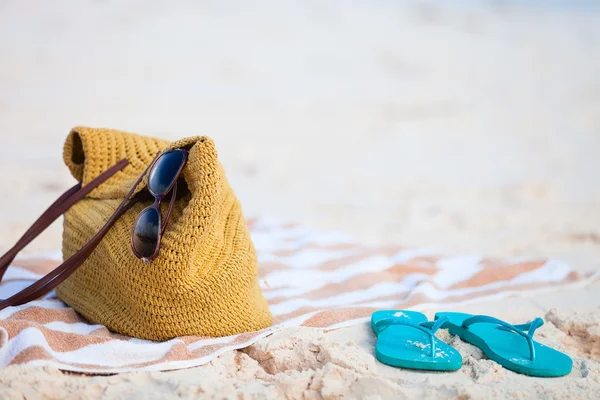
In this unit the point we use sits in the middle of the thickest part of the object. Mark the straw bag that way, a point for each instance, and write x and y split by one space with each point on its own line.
205 280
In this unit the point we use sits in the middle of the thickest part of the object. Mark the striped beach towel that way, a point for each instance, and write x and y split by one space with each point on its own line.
309 277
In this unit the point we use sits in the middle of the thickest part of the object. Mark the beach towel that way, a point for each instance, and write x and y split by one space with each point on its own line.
310 278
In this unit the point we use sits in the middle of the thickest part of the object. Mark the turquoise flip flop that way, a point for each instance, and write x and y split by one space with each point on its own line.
511 346
406 339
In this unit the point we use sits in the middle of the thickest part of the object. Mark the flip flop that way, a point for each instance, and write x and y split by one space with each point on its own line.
406 339
511 346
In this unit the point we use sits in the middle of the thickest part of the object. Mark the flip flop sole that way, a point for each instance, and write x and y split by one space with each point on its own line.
417 365
557 364
408 347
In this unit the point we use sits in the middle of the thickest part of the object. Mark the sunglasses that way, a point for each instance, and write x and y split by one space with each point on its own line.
149 226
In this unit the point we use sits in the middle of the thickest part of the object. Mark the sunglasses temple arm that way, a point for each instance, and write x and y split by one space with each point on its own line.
59 207
171 204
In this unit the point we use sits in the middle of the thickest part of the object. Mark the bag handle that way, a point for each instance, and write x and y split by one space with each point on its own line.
59 207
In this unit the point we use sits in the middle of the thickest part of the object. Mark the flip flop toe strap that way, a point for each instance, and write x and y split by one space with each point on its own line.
520 329
429 327
528 327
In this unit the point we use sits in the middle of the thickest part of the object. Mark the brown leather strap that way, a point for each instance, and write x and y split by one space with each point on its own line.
61 205
7 258
63 271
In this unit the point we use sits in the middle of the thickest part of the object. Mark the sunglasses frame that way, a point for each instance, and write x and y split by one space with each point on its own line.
158 198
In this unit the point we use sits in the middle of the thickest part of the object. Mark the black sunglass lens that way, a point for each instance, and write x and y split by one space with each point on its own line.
145 233
164 172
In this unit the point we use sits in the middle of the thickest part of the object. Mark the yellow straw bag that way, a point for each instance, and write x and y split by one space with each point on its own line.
204 281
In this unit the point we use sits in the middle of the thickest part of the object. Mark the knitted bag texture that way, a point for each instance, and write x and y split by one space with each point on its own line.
205 280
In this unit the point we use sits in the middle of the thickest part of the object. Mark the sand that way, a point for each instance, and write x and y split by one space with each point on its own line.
473 128
307 363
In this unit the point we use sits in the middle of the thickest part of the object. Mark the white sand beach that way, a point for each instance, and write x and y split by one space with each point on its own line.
473 128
